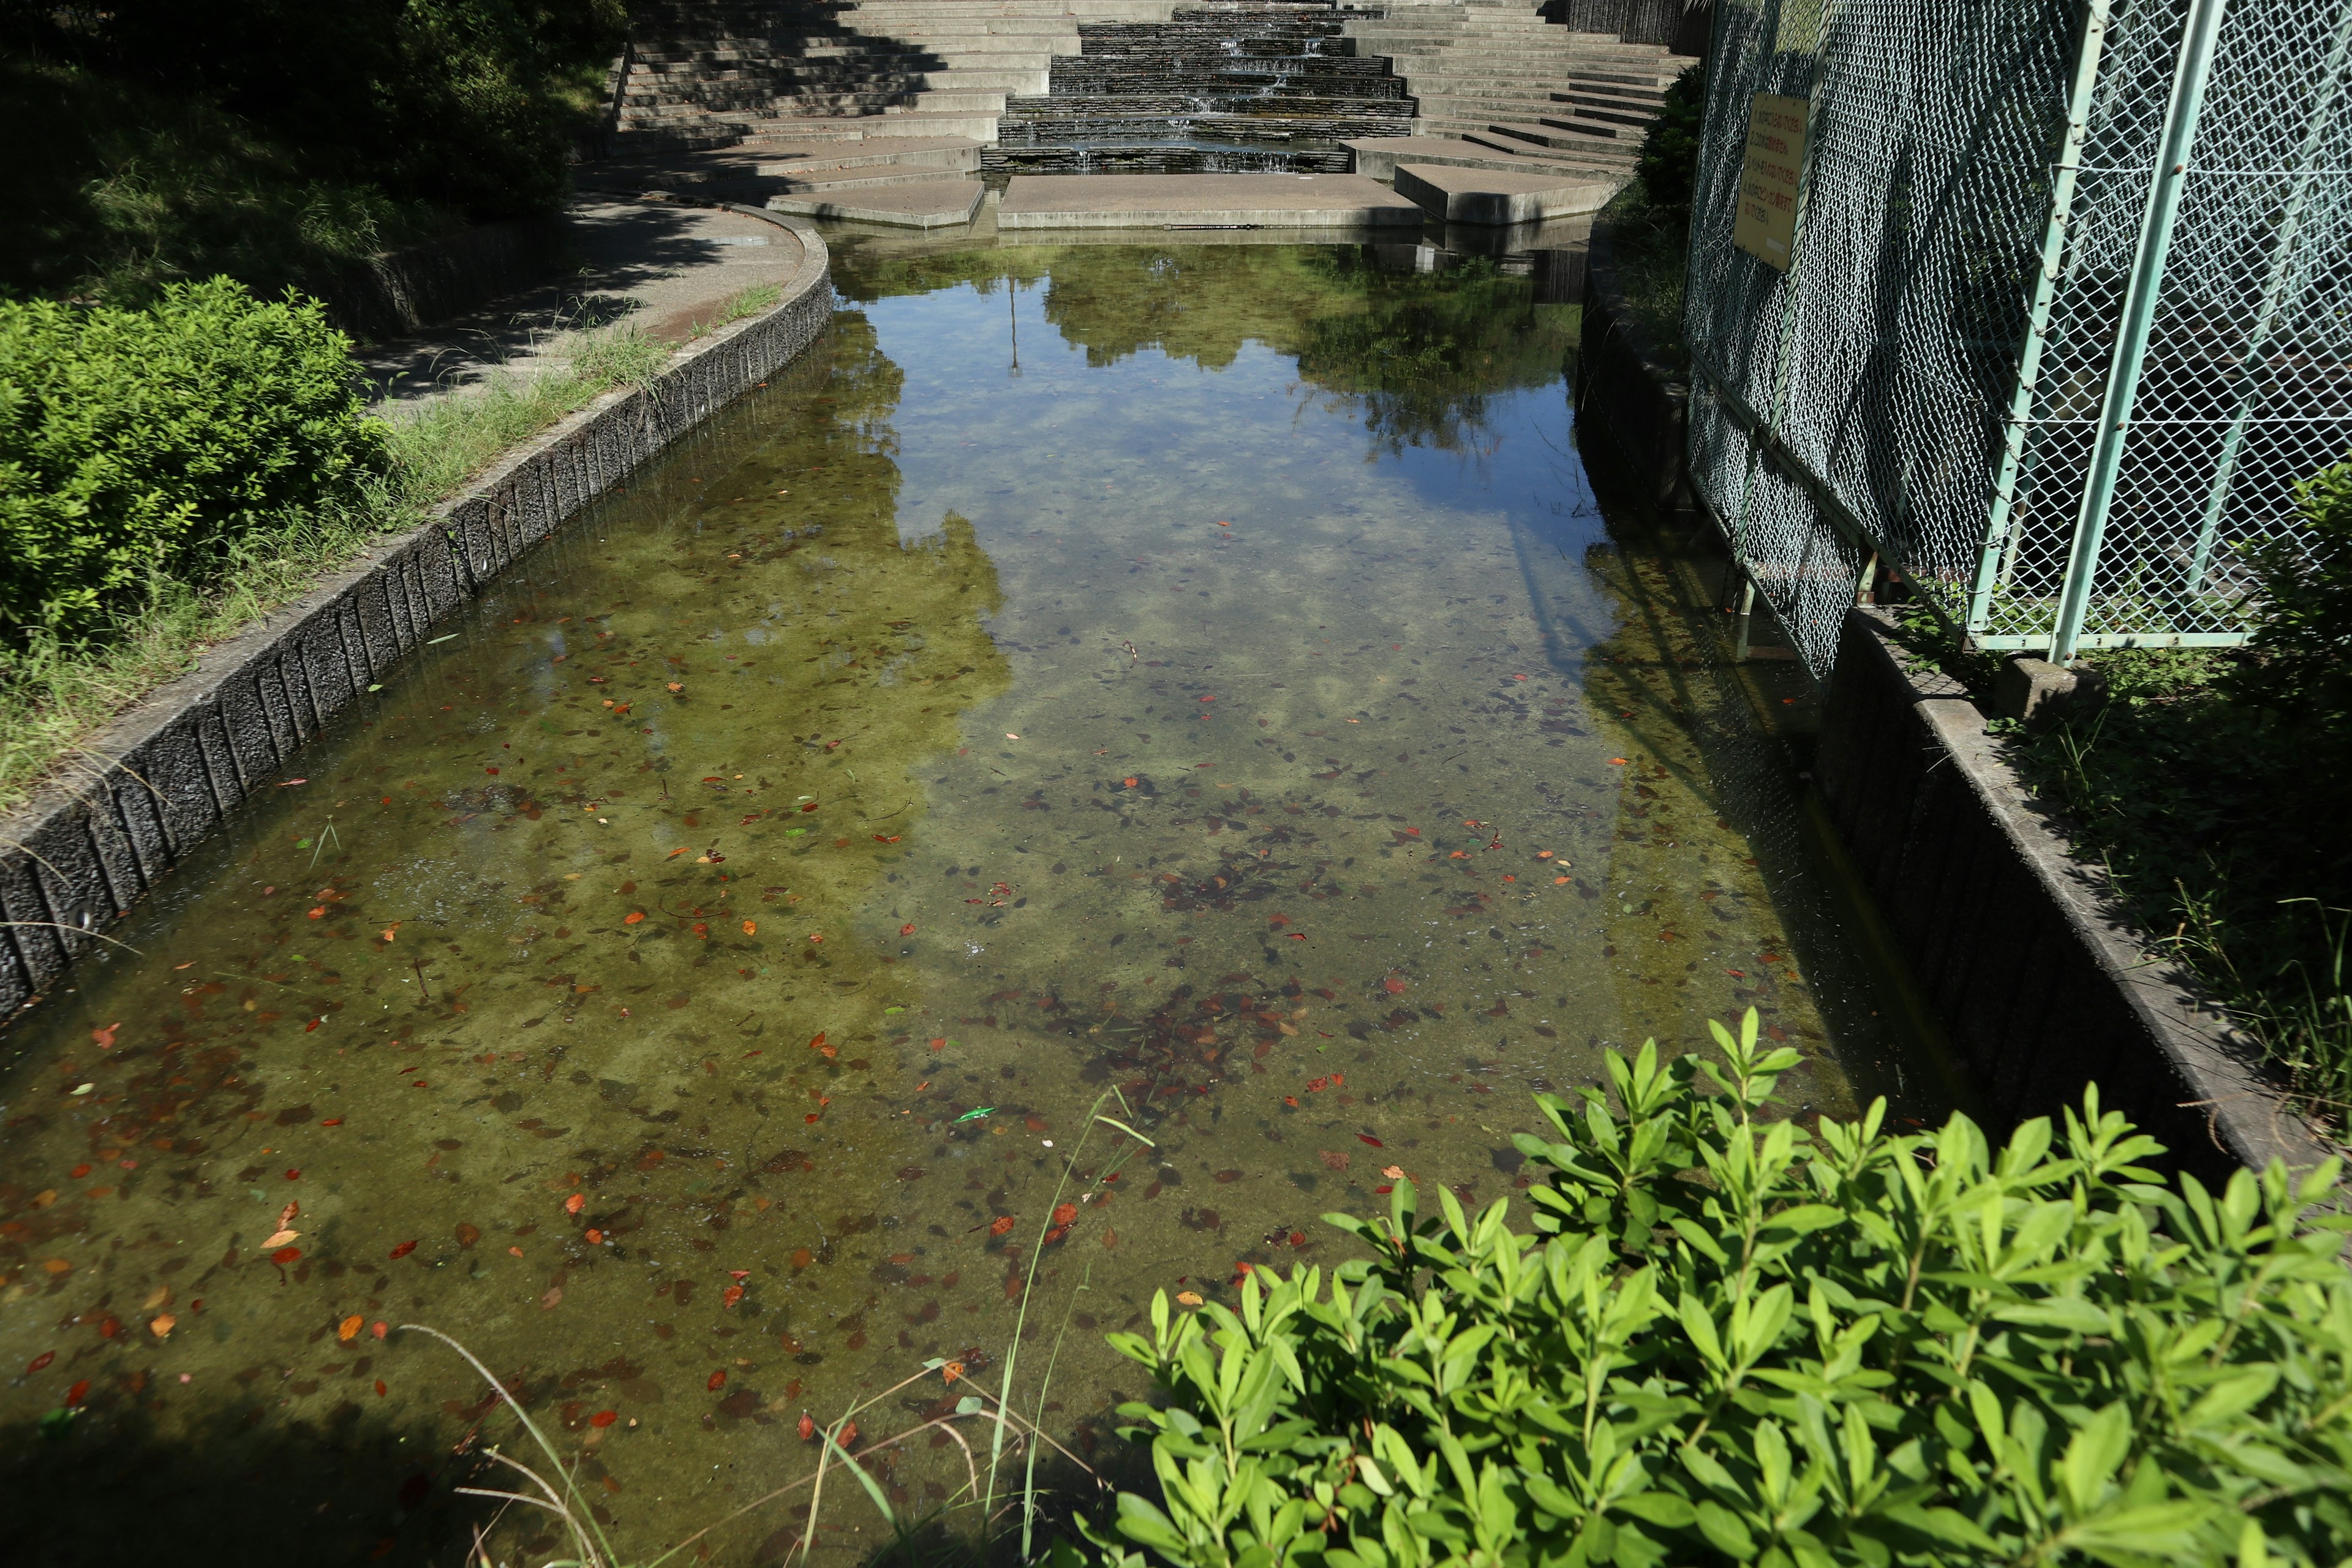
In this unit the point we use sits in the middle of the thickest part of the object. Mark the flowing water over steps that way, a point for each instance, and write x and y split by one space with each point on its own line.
1221 88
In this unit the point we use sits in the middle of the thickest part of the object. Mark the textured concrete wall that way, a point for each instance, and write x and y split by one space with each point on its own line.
2041 983
144 793
1628 393
394 294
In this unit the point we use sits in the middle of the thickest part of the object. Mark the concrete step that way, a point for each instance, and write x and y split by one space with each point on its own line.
818 181
1538 135
940 204
1597 154
890 124
931 154
1378 157
1578 124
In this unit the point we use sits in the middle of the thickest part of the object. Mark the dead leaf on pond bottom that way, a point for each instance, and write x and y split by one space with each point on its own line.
1337 1159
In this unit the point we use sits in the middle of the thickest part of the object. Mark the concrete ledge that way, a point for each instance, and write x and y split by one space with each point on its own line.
1499 196
2041 983
1164 201
152 785
931 204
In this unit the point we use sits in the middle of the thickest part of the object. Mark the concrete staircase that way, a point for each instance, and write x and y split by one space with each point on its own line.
1217 87
1506 89
712 73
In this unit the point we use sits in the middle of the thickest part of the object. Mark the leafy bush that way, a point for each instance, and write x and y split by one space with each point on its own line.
1668 161
2299 667
1732 1340
137 445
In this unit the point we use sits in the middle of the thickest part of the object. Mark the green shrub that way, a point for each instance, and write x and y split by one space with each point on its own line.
139 446
1668 161
1732 1340
2299 665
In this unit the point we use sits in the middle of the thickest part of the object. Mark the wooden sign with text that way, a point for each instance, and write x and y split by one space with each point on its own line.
1766 227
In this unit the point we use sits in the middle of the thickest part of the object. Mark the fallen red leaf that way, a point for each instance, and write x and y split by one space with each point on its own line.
575 1203
285 1254
999 1224
1393 985
39 1362
907 930
403 1249
74 1395
603 1418
633 917
729 1296
1065 1213
807 1430
1367 1137
718 1381
1056 1234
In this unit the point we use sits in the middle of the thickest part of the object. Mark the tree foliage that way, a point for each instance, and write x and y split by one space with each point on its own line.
1668 161
1729 1338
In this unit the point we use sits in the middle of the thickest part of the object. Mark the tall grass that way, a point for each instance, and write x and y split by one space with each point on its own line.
56 694
983 1500
455 435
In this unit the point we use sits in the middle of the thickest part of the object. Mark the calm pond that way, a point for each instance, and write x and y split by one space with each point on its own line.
1190 685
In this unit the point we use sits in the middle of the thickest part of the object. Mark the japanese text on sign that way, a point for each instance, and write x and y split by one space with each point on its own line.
1766 226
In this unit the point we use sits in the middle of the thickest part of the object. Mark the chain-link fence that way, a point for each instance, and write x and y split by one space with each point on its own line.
2066 310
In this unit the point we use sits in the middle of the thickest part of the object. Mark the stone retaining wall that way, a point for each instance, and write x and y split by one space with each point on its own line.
2041 983
155 782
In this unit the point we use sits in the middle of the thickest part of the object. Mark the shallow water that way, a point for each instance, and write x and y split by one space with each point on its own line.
1194 686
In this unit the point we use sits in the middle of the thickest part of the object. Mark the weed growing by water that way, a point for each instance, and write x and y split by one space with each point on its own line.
748 303
982 1505
458 434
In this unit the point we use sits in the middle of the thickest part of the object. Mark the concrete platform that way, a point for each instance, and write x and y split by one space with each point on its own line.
932 203
1495 195
1378 156
1177 201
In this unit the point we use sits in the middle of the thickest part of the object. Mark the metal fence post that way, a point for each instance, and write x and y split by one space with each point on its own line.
2197 40
2066 172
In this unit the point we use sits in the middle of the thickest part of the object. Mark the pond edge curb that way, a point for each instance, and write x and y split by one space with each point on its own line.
152 785
1960 862
2042 980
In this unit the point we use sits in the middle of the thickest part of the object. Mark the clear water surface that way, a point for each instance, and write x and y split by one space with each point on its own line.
1194 686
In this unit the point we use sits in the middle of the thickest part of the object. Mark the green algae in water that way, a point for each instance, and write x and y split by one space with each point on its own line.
1191 684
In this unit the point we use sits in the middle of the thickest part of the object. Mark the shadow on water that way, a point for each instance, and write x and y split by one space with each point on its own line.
124 1481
